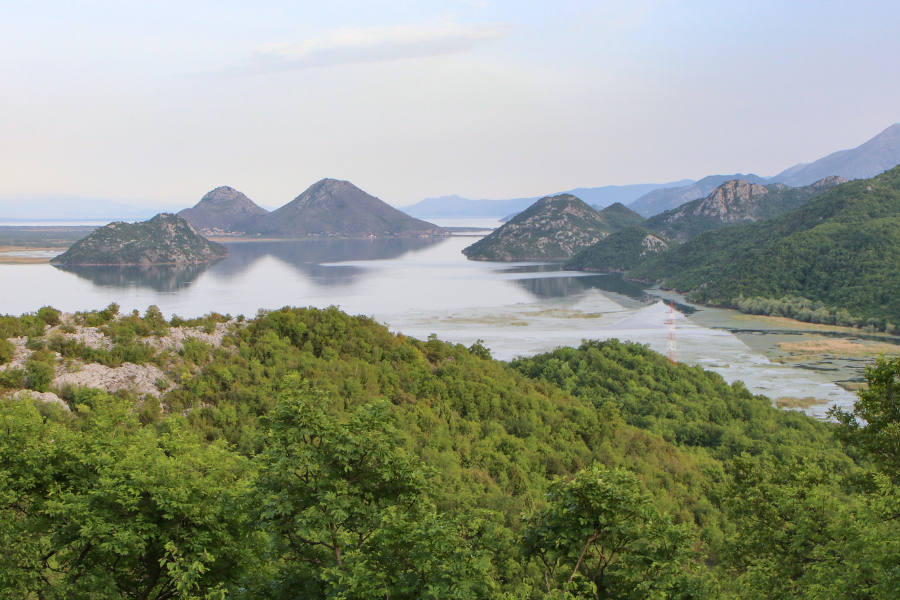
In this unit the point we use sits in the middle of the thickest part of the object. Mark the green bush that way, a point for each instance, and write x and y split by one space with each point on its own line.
7 350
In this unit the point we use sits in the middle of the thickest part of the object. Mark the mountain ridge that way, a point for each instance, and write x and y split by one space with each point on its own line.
867 160
333 207
223 208
733 202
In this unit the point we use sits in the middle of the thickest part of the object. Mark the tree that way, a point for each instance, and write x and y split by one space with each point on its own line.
348 510
601 537
873 426
99 507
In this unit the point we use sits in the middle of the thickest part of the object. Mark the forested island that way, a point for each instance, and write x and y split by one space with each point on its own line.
309 453
166 239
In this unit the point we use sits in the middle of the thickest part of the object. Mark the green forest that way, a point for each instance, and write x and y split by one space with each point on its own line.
841 249
315 454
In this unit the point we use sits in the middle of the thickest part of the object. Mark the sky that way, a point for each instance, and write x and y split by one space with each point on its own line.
159 102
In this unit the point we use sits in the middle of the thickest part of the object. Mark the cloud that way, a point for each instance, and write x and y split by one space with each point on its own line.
373 45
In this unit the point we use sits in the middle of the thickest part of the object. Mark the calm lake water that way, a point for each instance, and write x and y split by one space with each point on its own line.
419 287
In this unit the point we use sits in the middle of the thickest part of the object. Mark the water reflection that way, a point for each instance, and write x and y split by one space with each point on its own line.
561 287
160 278
313 258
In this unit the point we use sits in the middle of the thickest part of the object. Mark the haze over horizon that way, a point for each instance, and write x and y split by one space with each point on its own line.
163 102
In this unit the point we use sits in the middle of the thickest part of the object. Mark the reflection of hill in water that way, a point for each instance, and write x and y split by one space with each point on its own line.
560 287
308 256
160 278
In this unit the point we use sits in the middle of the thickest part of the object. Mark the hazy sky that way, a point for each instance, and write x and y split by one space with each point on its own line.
164 100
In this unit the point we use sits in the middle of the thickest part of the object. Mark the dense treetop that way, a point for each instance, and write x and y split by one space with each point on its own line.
317 454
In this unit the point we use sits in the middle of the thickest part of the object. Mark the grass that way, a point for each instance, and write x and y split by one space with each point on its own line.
791 402
839 347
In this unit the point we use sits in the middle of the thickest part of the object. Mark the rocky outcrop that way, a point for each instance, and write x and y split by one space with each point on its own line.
735 202
166 239
223 208
554 227
141 379
652 245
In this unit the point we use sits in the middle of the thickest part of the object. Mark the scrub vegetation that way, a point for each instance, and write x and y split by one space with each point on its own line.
314 454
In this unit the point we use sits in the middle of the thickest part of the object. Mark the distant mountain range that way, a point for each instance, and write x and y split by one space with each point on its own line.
877 155
456 206
21 207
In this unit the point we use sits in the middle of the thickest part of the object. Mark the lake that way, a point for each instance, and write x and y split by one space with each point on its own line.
424 286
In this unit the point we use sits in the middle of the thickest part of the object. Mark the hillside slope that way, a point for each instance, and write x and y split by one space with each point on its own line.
735 202
662 200
552 228
622 251
223 208
166 239
332 207
841 248
879 154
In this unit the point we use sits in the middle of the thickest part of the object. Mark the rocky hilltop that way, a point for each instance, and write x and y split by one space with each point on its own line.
552 228
879 154
621 251
223 208
665 199
166 239
734 202
332 207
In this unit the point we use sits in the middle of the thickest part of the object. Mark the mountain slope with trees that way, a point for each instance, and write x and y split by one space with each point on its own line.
163 240
841 249
552 228
622 251
735 202
316 453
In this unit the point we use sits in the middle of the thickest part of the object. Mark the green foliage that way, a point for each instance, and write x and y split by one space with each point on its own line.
873 426
348 509
684 405
96 318
207 322
39 371
602 537
12 379
803 309
621 251
316 454
841 248
49 315
800 534
98 507
7 350
618 216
